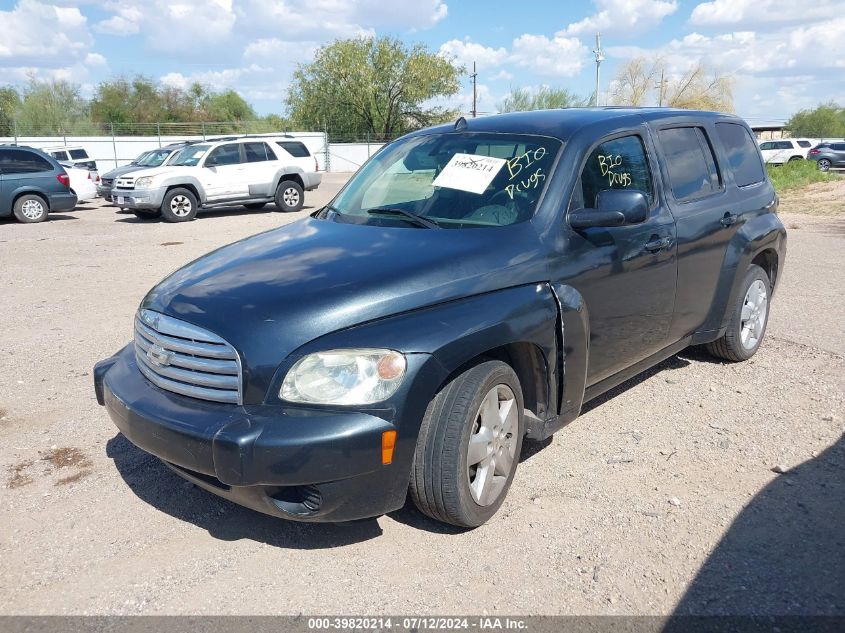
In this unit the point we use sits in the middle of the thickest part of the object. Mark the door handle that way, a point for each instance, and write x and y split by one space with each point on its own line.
654 245
729 219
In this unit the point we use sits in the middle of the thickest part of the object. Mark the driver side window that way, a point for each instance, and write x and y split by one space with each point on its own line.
620 163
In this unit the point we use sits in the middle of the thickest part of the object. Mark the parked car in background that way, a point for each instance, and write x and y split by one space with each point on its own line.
74 154
785 150
81 182
152 158
828 155
250 171
473 284
32 184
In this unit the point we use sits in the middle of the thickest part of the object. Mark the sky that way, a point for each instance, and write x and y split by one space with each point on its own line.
784 55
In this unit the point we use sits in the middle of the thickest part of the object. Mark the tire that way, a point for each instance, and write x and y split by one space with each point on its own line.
748 320
823 164
145 214
289 196
179 205
255 205
794 158
31 208
447 479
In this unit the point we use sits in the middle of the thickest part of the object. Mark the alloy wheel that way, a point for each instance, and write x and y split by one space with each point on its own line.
290 197
753 315
32 209
491 452
181 206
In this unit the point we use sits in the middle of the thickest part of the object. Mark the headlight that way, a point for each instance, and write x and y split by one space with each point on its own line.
146 181
344 376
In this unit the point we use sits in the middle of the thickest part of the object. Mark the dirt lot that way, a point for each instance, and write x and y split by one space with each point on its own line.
661 497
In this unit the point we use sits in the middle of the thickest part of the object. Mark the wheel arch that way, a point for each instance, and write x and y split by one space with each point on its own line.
289 173
30 192
190 185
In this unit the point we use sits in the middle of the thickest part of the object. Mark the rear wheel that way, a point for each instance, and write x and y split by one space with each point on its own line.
179 205
289 196
469 444
749 316
794 158
823 164
30 208
255 205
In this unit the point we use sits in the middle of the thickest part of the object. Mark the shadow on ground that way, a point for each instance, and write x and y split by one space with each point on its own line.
217 212
784 555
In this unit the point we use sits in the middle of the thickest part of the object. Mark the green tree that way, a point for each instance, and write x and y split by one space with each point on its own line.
53 107
825 120
545 98
10 102
228 106
369 85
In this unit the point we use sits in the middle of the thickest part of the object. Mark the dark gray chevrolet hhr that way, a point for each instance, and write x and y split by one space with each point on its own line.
473 284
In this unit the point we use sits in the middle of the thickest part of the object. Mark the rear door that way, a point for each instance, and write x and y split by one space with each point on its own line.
626 274
706 217
223 174
260 168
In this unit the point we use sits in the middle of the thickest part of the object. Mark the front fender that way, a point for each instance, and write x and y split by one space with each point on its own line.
758 234
182 180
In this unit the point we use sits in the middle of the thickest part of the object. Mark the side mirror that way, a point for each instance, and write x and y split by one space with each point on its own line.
614 207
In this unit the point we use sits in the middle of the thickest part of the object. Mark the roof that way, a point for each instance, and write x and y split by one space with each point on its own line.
564 122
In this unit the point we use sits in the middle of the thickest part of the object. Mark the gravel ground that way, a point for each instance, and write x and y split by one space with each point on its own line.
660 498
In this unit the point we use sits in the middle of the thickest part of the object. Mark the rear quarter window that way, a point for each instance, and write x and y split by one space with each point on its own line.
743 158
294 148
78 153
804 144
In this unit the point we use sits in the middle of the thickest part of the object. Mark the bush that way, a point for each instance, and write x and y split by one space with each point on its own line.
797 173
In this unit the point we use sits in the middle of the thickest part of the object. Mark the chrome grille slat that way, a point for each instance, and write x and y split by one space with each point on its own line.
207 350
212 366
180 357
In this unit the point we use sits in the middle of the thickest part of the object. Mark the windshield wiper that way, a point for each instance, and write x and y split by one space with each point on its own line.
413 217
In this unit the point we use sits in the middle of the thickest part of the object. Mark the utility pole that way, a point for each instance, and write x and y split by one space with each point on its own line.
474 93
661 87
599 53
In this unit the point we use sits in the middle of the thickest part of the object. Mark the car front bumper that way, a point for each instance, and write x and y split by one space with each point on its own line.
137 198
104 191
295 463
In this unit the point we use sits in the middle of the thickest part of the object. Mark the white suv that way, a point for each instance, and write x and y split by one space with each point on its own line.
785 149
249 171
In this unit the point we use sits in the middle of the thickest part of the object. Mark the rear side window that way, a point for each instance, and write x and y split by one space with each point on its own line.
742 153
17 161
620 163
690 162
224 155
294 148
78 153
804 143
257 152
838 146
783 145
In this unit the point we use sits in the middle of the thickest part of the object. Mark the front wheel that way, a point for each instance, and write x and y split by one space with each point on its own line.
179 205
823 164
289 196
469 444
749 316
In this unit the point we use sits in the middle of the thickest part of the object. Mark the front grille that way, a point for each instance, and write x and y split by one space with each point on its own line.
125 183
186 359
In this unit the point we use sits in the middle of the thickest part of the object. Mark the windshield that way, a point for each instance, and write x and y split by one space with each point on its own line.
154 158
454 180
190 156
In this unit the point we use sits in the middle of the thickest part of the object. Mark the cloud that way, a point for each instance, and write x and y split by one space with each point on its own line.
754 13
465 52
43 35
559 56
95 59
623 17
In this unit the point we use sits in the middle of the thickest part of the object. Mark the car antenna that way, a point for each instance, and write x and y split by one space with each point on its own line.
460 124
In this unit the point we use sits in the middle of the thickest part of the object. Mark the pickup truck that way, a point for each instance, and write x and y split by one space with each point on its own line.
472 285
249 171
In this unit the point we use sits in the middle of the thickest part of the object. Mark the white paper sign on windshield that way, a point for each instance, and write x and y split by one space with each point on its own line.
469 172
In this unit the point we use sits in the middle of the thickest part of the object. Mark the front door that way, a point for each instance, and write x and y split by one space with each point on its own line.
626 274
223 174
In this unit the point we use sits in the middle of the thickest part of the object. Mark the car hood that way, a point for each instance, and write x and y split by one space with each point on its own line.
121 171
271 293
